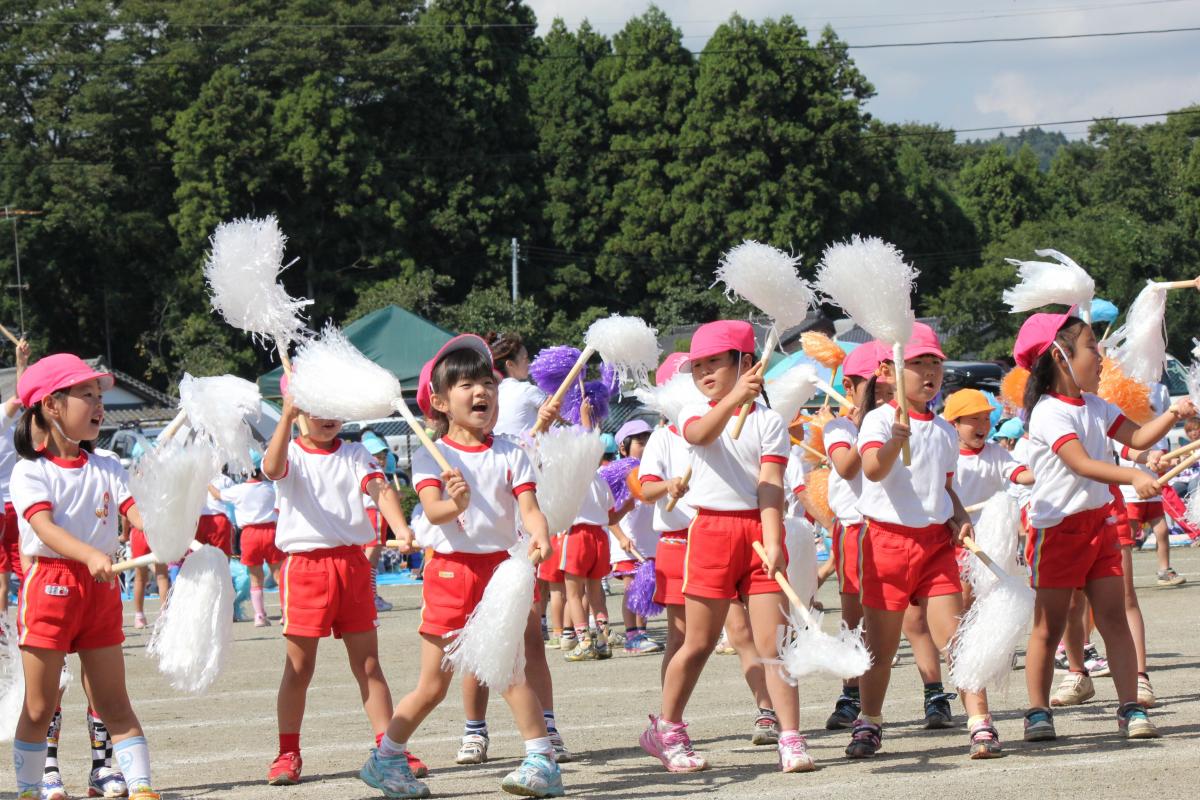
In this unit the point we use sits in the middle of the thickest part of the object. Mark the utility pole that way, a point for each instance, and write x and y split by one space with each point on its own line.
13 213
516 249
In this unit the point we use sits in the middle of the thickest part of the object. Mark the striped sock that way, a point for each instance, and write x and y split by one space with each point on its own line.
52 734
477 727
101 741
550 723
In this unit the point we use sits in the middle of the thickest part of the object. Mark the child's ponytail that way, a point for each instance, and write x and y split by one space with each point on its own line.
866 397
23 438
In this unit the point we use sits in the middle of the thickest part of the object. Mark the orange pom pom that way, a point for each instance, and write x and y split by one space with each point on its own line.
816 440
816 486
1012 387
821 349
1132 397
635 485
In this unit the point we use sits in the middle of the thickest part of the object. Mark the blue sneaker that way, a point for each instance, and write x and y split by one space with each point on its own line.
52 787
392 776
107 782
538 776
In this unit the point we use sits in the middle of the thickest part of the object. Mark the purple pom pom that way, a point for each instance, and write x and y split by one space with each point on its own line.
597 394
614 475
552 365
609 378
639 597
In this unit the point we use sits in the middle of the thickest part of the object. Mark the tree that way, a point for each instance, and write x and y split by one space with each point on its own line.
491 309
416 293
999 192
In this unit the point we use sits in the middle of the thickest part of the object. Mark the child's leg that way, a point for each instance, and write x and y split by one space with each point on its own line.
942 614
475 697
1075 634
1162 545
163 579
300 660
537 669
676 622
881 630
737 627
705 619
599 606
105 668
527 712
1049 620
925 651
274 568
628 617
766 615
42 668
373 553
1107 596
363 651
556 607
256 590
1133 611
576 587
139 590
852 615
432 684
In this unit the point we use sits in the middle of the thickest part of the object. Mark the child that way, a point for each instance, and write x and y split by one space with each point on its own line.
913 520
68 502
214 527
326 581
377 447
583 557
738 489
1074 543
474 526
984 468
254 510
637 530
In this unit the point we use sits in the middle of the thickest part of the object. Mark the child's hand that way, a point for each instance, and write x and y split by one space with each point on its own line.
1145 485
406 543
457 488
22 356
539 548
1156 462
749 387
774 558
100 565
965 531
548 413
676 488
290 412
1183 408
901 429
622 540
585 413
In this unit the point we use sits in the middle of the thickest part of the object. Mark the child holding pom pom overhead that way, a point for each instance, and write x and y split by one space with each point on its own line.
473 512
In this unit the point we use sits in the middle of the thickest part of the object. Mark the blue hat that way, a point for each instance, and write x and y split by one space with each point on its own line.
1103 311
256 458
610 443
1011 429
374 444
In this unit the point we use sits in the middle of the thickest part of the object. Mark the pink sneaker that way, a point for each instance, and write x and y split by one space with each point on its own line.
139 620
793 754
670 745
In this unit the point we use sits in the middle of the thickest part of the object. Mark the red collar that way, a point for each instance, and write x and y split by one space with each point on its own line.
322 451
1072 401
923 416
67 463
966 451
671 428
468 448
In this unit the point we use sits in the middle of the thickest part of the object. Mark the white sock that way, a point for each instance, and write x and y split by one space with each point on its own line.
389 748
256 600
133 759
541 745
29 759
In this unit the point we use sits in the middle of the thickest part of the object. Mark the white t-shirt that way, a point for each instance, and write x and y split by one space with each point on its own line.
8 453
793 480
984 472
638 525
85 495
597 504
1059 492
319 497
725 471
519 403
497 472
666 456
253 502
843 494
212 505
913 496
1020 454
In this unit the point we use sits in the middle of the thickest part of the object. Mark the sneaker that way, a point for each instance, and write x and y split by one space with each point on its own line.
985 740
603 649
1074 689
1145 693
1093 662
1169 577
672 746
553 642
794 756
1039 725
568 641
1061 664
766 730
382 605
724 648
866 740
285 769
392 776
107 782
538 776
845 713
30 794
1133 722
52 787
561 754
584 651
261 621
144 793
642 645
473 749
419 770
139 620
938 715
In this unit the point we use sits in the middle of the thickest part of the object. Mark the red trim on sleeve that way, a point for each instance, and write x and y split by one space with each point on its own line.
1112 429
1125 452
370 476
425 484
36 507
649 479
128 504
798 489
523 488
869 446
836 445
1060 441
688 422
774 459
1017 472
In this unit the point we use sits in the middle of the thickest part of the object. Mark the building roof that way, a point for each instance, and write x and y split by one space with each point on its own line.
129 401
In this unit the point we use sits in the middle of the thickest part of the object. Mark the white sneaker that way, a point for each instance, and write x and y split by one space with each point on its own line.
473 749
382 605
262 622
1075 689
139 620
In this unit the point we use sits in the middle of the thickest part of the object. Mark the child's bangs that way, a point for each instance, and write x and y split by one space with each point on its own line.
458 366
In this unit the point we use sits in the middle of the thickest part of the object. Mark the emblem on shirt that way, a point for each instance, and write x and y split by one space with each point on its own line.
102 512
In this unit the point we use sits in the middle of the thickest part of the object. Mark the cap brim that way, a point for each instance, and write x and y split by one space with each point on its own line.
465 341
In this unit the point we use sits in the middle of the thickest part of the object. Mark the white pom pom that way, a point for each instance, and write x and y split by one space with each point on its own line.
243 277
766 276
670 399
1042 284
790 391
491 646
170 485
192 636
12 678
627 344
981 651
331 378
872 283
798 537
996 534
1140 345
805 650
221 409
567 462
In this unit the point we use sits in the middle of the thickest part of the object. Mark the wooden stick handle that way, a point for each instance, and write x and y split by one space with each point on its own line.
9 335
1184 450
901 397
969 543
834 393
419 430
686 478
786 587
173 428
812 451
566 383
971 509
761 366
1180 467
286 361
147 560
1176 284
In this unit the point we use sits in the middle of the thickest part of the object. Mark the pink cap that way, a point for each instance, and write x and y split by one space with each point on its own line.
712 338
56 372
283 384
862 361
668 368
1036 335
465 341
924 342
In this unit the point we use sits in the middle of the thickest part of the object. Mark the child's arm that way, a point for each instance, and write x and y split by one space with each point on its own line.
1077 459
274 464
534 522
387 499
1024 477
846 461
653 491
770 507
622 540
877 462
1144 437
960 520
439 511
707 429
134 515
62 542
615 515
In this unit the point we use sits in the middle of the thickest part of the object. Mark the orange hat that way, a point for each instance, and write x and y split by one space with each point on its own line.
964 403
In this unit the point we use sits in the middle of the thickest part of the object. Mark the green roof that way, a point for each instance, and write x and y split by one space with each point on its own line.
393 338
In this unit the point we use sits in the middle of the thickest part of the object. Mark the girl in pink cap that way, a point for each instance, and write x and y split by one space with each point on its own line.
68 502
1074 543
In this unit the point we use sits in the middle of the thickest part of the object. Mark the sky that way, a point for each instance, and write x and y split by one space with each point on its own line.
977 85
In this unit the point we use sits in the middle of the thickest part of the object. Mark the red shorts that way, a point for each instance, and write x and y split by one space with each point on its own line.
1144 513
901 565
62 607
217 530
453 586
622 569
380 526
10 549
1083 547
549 570
847 547
138 546
585 552
720 563
327 591
258 545
1120 512
668 568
